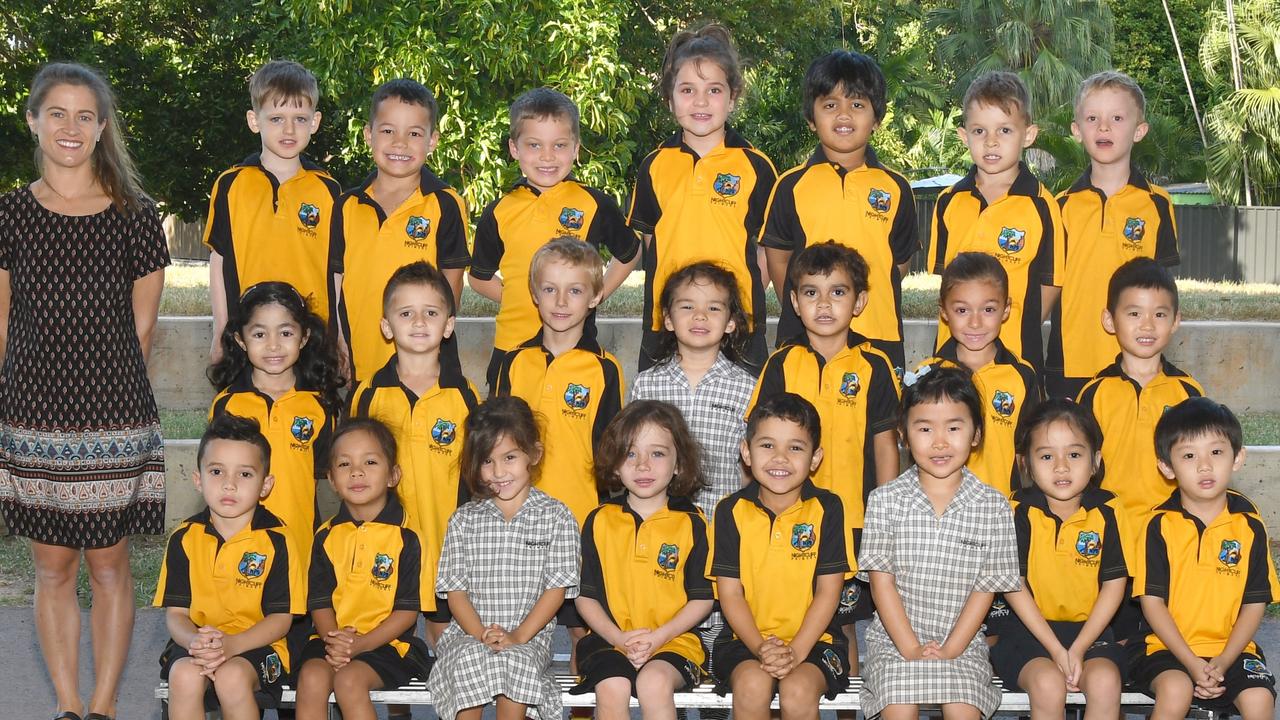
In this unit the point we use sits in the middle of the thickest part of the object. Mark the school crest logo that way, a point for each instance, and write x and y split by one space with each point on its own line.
571 218
1012 240
303 428
272 668
577 396
849 597
1230 553
252 564
309 215
444 431
1135 229
1003 403
1254 666
879 200
1088 544
727 185
669 557
999 608
832 660
802 537
382 566
417 227
850 385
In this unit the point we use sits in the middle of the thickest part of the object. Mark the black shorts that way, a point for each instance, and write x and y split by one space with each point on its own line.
998 616
1248 671
440 615
271 674
1017 647
598 661
568 616
855 602
392 669
827 657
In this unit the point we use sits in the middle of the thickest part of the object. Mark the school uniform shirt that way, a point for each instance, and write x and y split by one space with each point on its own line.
575 396
369 245
1066 561
1205 573
1023 230
1127 414
1100 234
856 395
702 208
870 209
778 558
513 227
364 571
233 583
1009 388
644 571
265 229
299 431
429 431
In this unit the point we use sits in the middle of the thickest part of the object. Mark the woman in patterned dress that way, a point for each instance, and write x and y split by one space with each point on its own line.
82 259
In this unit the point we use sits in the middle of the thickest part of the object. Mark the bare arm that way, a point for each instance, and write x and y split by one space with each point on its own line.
454 276
6 298
967 625
326 621
146 308
1048 298
1158 616
389 629
733 603
1110 596
693 612
1242 633
777 261
826 595
539 616
893 615
887 458
218 300
491 288
264 632
617 273
594 615
465 614
181 629
1029 613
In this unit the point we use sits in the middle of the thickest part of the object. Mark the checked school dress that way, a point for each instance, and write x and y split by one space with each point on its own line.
504 567
81 457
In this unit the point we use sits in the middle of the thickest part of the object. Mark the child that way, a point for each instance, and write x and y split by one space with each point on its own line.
228 584
843 193
402 213
854 388
702 194
424 402
1112 214
974 304
779 588
642 614
364 583
510 560
278 368
544 203
1204 573
269 216
1001 209
1071 552
938 544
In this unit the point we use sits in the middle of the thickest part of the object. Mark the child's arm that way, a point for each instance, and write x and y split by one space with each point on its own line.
594 615
1206 677
1048 298
394 626
893 615
486 255
1024 605
539 616
826 596
1000 572
885 446
777 260
464 613
262 633
146 308
967 625
1261 587
218 299
454 276
733 604
181 628
1247 623
491 288
616 274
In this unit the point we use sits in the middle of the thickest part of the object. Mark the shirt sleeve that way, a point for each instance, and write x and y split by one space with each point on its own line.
561 570
284 591
1261 585
697 586
610 399
644 211
1151 576
322 580
882 403
782 228
1000 571
150 248
772 382
1167 237
1051 259
338 238
833 555
766 176
453 573
173 589
609 228
937 257
877 543
1113 563
451 239
489 247
409 579
725 560
591 582
217 228
1022 530
904 241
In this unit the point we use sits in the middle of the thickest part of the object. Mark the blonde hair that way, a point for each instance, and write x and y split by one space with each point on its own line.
1111 80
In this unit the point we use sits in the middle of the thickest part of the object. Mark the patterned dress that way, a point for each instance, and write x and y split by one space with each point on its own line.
936 562
504 567
81 457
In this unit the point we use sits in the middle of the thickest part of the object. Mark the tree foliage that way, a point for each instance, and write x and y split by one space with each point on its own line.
1144 49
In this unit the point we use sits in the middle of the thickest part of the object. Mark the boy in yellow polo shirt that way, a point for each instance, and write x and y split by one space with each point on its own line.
1204 573
544 203
270 215
401 214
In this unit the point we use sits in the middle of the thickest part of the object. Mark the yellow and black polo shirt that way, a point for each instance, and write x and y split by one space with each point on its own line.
233 583
1205 573
869 209
265 229
299 430
702 208
1066 561
644 571
1023 230
1100 234
778 558
381 563
575 396
429 431
513 227
1127 414
369 245
1009 388
856 395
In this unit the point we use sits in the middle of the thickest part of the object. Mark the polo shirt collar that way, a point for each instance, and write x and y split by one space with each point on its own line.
391 514
1092 498
427 184
852 340
819 157
589 344
1025 184
1115 369
1085 181
1236 504
674 504
732 139
523 182
752 492
262 519
388 376
950 351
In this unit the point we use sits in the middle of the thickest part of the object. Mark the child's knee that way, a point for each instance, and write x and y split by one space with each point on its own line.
1100 680
353 682
613 692
801 689
1172 689
1044 682
751 685
1255 703
185 679
656 683
235 681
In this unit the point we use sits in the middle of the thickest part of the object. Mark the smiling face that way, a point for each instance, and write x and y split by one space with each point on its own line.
400 137
417 318
564 294
273 340
1144 321
231 478
940 435
699 315
286 126
780 456
701 100
995 138
1108 123
508 471
1202 465
975 311
827 303
650 462
546 150
844 126
1060 461
67 125
361 473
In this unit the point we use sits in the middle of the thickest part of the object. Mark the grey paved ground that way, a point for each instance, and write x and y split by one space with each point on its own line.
25 691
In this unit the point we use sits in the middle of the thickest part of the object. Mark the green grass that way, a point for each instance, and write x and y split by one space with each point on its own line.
17 573
182 424
1260 428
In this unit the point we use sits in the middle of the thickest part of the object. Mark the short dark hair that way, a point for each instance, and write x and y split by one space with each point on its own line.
406 91
826 257
381 435
540 104
734 344
942 383
1049 412
1002 89
1143 274
283 81
790 407
621 432
854 74
495 418
1196 417
972 266
419 272
240 429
